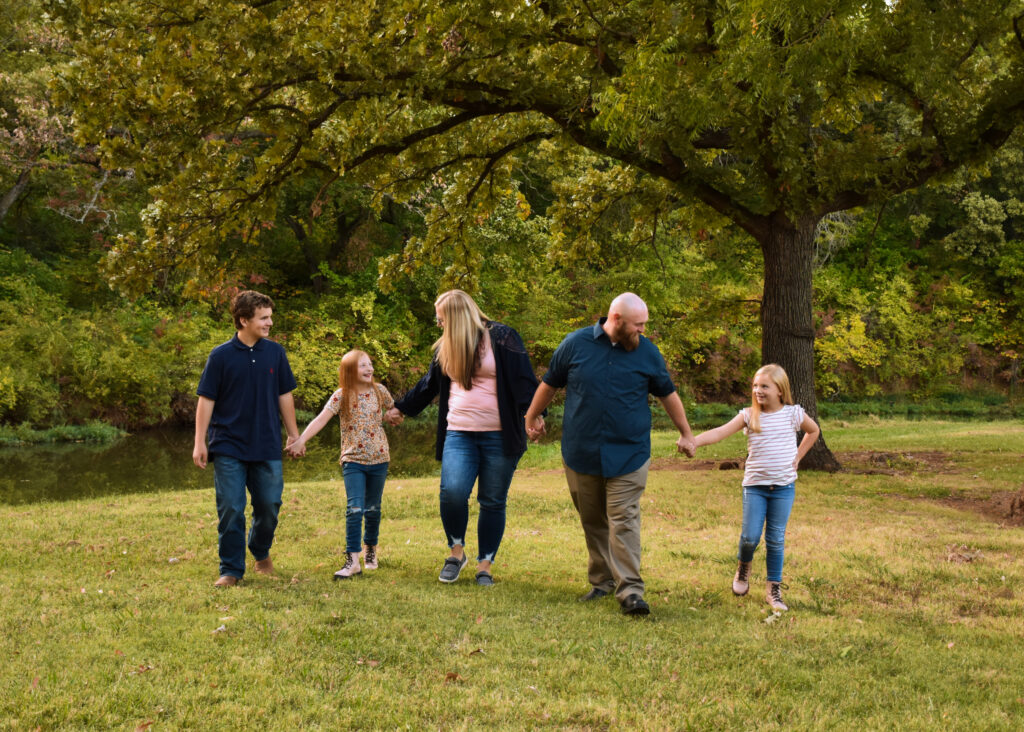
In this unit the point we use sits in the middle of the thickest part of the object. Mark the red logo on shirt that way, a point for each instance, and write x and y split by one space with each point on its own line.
271 370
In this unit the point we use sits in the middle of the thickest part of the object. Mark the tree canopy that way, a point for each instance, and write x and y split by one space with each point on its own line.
769 113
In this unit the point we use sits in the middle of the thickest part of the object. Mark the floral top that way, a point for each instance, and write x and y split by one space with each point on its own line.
362 439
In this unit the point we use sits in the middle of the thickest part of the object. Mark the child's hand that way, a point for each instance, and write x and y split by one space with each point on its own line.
394 416
687 446
296 448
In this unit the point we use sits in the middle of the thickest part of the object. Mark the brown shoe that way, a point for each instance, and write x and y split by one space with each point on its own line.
264 566
226 580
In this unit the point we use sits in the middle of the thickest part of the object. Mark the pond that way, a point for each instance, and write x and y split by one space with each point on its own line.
161 460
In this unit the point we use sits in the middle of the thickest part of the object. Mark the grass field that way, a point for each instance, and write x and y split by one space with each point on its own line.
904 577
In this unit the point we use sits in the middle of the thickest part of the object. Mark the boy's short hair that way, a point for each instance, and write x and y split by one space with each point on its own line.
245 303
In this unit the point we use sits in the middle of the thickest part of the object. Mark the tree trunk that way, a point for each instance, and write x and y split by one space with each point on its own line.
787 324
11 196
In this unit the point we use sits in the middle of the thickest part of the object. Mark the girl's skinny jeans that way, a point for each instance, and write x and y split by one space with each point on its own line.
766 507
364 486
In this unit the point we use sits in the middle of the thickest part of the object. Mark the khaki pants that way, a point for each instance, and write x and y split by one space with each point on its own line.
609 511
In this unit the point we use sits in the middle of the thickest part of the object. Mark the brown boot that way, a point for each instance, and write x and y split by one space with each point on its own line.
226 580
773 595
264 566
741 582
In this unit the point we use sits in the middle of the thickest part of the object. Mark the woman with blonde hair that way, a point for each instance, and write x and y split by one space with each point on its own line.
484 382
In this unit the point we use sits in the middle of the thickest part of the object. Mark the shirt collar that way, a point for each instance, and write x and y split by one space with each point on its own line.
238 343
599 329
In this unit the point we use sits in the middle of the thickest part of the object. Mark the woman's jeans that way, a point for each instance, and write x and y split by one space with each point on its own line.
469 456
364 486
766 507
265 482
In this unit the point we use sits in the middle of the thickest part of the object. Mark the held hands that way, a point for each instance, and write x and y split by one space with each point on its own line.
535 428
295 447
394 416
687 446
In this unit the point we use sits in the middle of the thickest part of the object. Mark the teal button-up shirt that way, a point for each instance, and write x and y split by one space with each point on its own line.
606 428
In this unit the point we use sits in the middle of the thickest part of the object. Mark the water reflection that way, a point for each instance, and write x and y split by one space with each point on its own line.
161 460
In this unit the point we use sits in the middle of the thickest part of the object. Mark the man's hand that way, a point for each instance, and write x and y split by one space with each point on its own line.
535 428
295 447
394 416
687 446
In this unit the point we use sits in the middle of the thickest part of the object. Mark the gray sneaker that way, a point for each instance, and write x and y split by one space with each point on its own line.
452 568
484 579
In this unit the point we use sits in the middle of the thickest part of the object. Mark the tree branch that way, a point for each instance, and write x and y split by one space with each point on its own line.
498 154
412 138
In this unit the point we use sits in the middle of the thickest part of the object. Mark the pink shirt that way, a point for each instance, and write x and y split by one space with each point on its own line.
476 410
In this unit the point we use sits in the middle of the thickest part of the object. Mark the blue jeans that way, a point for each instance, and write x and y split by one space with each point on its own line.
265 482
766 507
468 456
364 486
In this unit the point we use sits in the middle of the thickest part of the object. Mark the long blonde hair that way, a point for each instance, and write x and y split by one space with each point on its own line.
778 375
348 377
458 348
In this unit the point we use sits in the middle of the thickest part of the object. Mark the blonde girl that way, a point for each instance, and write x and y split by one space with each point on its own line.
359 403
772 422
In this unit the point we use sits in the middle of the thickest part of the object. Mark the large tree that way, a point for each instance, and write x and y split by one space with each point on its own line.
771 113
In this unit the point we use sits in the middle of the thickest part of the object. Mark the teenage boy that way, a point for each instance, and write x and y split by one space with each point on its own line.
244 392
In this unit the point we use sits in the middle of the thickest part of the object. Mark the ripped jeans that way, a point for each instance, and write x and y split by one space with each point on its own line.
766 507
468 458
364 486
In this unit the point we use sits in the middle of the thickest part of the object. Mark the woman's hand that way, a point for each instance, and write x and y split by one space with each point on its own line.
535 428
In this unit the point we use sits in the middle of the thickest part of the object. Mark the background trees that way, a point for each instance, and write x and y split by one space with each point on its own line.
772 115
551 154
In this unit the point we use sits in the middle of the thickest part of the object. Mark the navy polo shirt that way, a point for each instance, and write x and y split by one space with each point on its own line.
245 384
606 428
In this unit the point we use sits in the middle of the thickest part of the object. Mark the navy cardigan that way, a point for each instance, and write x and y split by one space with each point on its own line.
516 385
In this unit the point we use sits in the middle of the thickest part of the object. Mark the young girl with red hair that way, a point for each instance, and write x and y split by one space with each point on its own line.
359 403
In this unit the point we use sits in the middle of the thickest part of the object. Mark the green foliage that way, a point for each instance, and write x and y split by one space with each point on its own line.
354 162
317 339
127 364
92 432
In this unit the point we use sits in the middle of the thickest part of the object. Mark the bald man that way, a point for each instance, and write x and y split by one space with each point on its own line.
607 370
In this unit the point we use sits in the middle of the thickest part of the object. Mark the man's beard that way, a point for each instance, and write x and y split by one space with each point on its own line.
629 342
